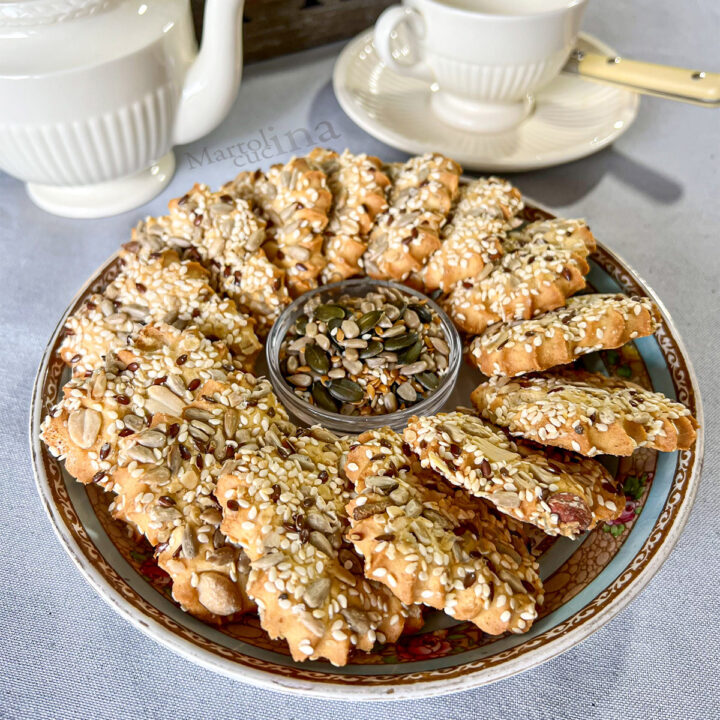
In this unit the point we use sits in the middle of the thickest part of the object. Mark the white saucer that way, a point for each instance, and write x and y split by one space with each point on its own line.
572 118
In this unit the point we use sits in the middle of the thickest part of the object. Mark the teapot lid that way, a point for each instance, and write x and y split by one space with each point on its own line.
24 13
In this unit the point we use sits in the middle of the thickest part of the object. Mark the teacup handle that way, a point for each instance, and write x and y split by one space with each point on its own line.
386 32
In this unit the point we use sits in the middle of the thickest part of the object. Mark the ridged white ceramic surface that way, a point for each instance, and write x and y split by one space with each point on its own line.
572 118
94 149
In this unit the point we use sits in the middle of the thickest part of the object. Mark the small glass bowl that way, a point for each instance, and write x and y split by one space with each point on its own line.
356 424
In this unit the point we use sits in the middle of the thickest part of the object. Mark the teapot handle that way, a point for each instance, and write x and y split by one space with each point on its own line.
212 82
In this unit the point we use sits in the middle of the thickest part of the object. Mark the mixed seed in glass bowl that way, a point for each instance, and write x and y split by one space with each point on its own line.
363 349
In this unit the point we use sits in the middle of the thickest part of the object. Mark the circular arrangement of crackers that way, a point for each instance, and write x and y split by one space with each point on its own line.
339 542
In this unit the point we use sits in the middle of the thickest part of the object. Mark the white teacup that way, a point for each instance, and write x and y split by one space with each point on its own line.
484 57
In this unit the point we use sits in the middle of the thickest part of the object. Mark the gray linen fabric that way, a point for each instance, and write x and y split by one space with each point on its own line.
653 198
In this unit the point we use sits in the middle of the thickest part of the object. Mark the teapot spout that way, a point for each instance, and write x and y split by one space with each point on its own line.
212 81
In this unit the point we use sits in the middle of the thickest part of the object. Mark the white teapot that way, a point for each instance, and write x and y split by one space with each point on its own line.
94 94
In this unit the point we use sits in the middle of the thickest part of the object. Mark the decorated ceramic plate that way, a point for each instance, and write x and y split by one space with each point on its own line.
587 581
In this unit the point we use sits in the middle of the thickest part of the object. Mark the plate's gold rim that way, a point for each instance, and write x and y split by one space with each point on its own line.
306 681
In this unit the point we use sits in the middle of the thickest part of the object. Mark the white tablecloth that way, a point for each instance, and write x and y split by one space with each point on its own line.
653 197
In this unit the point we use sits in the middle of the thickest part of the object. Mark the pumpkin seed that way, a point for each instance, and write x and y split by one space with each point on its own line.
429 380
326 313
334 324
346 390
411 354
401 341
369 320
322 397
317 359
373 348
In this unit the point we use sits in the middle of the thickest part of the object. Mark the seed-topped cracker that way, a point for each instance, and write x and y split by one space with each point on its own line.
560 493
294 199
160 288
485 211
406 235
286 507
428 183
358 185
586 324
544 264
589 413
167 290
435 545
154 426
222 231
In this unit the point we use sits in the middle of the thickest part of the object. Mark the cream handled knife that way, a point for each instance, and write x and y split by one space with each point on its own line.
693 86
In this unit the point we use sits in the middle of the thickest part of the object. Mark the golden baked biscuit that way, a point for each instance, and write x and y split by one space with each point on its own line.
561 494
543 265
587 323
285 506
432 544
589 413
